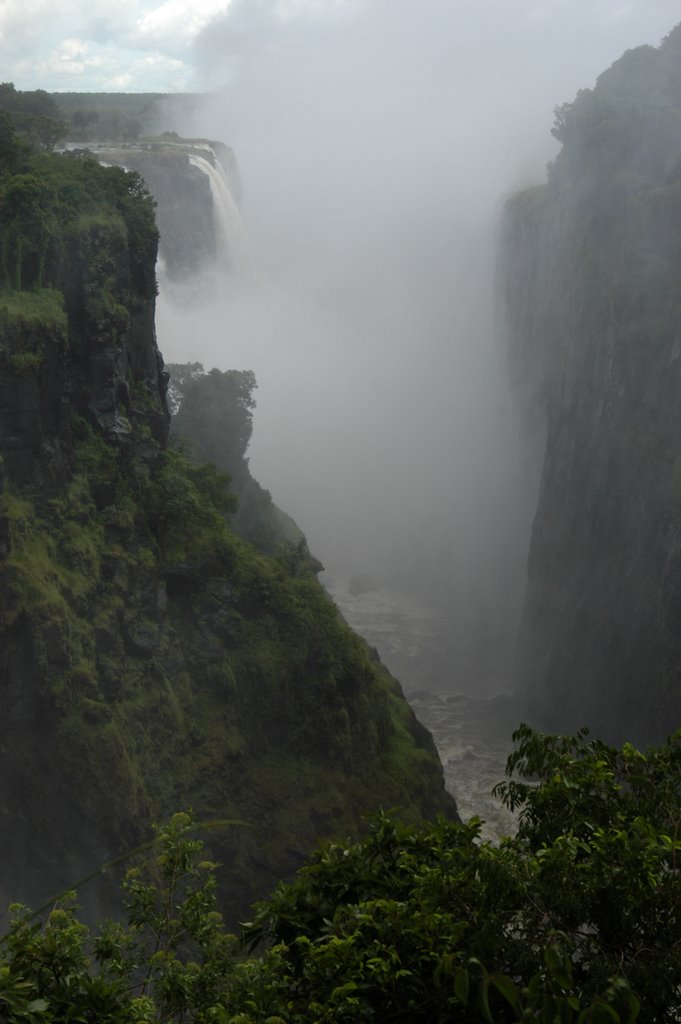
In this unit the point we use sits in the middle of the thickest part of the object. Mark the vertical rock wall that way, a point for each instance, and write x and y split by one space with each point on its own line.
592 263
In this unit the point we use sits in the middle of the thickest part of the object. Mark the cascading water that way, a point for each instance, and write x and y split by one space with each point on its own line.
230 237
196 187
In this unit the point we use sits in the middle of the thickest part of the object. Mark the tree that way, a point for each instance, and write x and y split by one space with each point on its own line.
25 210
10 150
169 963
44 132
83 119
35 115
215 410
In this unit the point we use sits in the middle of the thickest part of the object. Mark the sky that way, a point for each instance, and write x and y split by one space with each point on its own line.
143 45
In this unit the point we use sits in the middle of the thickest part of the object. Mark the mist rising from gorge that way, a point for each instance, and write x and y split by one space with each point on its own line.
375 148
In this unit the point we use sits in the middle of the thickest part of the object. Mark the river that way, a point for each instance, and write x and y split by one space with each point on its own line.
471 718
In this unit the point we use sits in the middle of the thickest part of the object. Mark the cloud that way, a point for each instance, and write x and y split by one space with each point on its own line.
32 33
104 67
78 45
174 24
22 26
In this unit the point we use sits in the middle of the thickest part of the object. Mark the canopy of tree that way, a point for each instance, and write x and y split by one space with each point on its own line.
42 195
35 115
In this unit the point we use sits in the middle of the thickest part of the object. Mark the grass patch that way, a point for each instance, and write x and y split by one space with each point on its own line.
29 322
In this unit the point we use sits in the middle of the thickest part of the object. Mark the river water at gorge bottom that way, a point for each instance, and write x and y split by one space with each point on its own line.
472 730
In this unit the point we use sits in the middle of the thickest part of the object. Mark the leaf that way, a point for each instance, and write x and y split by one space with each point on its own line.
484 1000
37 1006
343 990
601 1013
508 989
559 965
462 984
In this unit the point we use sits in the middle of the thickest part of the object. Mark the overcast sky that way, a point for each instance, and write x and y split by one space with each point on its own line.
141 45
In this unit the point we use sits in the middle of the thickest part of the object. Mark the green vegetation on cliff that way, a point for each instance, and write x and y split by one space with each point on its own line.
150 658
45 201
213 421
179 667
573 920
29 322
35 115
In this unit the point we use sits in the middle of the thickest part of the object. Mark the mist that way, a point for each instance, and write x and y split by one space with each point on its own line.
376 141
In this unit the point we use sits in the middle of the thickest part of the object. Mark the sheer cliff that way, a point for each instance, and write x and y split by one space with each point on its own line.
591 268
150 658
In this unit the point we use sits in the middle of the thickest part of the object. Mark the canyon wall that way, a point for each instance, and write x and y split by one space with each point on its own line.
591 265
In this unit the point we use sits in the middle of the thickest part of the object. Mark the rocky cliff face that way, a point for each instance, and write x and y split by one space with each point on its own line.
591 268
150 659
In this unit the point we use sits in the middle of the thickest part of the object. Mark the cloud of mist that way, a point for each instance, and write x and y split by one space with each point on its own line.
376 141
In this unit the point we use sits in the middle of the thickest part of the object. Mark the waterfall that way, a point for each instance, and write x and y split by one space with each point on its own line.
229 231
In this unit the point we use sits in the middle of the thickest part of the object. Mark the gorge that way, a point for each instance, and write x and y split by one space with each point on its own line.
165 642
572 626
596 640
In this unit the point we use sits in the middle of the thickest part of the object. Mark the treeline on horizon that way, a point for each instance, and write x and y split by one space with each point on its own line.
45 119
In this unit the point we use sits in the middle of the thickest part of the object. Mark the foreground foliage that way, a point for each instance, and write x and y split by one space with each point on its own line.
575 919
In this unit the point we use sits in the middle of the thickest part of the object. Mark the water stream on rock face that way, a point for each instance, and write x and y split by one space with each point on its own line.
229 230
472 732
